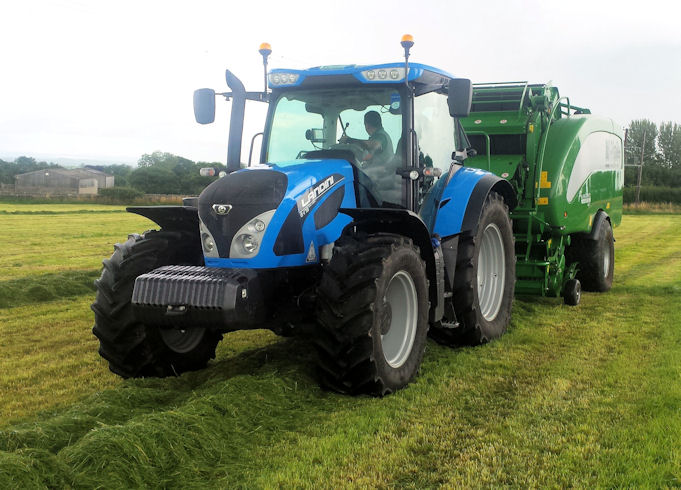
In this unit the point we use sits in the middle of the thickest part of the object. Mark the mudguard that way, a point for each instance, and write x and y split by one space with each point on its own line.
397 221
170 218
463 197
601 219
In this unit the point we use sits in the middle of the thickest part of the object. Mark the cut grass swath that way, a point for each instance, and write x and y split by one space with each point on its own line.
584 396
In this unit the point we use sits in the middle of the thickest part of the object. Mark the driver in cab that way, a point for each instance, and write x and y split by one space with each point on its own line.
379 146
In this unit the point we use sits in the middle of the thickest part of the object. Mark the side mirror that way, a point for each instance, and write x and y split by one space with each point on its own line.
460 97
204 105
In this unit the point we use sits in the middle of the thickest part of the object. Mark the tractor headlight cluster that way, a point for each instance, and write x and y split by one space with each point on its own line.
384 74
247 240
283 78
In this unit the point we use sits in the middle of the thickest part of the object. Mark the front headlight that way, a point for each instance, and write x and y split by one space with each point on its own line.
208 242
210 248
246 242
258 225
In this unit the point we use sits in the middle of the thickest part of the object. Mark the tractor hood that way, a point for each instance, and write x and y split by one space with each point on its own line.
276 215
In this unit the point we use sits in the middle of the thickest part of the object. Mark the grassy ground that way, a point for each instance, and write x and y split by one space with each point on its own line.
581 396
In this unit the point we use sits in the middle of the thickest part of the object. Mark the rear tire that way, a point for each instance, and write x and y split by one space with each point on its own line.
484 280
373 315
132 348
596 259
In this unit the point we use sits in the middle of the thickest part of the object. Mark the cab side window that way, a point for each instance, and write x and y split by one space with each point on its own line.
435 129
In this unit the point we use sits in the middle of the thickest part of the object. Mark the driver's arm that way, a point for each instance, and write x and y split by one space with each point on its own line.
371 145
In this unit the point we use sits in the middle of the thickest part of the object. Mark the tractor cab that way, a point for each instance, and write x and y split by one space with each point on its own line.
322 114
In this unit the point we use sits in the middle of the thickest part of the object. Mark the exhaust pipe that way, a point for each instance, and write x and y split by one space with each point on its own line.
236 121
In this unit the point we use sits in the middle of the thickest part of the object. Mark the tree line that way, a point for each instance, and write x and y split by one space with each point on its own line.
156 173
660 150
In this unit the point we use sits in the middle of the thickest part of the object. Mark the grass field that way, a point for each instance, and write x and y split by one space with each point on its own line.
571 396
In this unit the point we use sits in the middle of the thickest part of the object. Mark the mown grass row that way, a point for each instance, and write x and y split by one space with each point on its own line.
584 396
54 244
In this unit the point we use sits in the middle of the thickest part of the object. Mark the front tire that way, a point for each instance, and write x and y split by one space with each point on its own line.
132 348
484 279
372 314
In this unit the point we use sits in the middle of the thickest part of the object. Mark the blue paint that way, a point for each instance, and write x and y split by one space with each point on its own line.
301 176
455 197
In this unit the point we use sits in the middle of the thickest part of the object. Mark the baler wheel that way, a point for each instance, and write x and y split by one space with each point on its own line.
573 292
484 279
596 259
372 314
132 348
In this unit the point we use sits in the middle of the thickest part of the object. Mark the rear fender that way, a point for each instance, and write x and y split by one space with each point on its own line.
489 183
601 219
463 198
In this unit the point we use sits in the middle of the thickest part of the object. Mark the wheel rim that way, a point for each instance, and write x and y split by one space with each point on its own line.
182 341
401 299
491 272
606 261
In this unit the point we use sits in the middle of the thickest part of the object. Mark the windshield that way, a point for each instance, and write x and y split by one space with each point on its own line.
311 120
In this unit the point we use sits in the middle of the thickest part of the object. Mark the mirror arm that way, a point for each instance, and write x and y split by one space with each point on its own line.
256 96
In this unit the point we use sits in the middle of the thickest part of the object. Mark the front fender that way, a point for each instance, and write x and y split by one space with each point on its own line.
170 218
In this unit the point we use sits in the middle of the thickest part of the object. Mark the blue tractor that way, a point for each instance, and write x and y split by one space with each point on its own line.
360 228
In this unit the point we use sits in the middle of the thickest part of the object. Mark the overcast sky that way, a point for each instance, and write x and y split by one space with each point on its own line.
113 80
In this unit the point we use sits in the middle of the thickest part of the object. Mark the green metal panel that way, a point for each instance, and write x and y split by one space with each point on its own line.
602 188
496 123
564 163
504 166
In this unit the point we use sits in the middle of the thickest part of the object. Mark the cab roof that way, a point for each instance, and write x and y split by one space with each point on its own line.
425 77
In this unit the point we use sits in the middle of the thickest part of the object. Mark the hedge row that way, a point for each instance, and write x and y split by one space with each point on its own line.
119 194
653 194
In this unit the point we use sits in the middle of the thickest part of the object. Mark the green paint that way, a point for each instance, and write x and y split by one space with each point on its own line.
522 131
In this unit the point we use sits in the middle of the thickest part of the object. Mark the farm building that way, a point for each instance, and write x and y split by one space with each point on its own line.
63 181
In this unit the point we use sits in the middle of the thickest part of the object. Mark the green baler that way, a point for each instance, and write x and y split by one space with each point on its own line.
566 166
